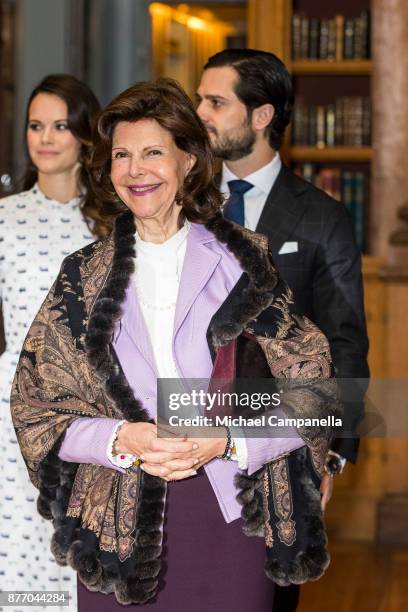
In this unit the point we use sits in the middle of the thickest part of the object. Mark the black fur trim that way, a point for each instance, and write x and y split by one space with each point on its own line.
141 583
136 580
138 592
230 322
250 497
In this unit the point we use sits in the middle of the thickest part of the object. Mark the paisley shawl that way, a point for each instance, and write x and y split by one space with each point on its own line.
108 525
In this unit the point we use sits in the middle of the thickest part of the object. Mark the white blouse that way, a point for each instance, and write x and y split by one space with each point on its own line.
157 280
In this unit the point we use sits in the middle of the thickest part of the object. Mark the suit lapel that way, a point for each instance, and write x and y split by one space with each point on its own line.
282 211
199 265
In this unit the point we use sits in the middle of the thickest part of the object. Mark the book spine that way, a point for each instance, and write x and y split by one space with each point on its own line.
365 33
356 121
335 39
366 131
331 48
358 43
339 23
347 122
339 121
304 38
330 125
347 129
321 125
296 36
348 38
312 139
324 39
314 30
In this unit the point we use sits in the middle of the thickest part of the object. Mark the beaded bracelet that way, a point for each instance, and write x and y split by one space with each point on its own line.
118 458
229 447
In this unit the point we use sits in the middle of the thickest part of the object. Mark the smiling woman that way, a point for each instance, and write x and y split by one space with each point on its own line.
148 172
176 292
188 178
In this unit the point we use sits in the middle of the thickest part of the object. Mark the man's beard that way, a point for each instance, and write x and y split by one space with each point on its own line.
234 144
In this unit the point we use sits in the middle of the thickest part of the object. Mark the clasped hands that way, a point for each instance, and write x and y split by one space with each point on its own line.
172 458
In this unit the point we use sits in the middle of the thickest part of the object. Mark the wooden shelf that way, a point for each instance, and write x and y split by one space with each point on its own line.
345 154
347 67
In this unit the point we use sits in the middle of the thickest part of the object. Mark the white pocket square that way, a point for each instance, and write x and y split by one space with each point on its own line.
288 247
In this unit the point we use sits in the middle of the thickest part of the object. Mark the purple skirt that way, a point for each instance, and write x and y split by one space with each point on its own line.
208 564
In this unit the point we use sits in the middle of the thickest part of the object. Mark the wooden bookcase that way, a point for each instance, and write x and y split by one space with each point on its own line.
353 512
368 498
316 81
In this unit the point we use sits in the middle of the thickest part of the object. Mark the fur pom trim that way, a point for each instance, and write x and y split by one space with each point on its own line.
250 497
141 583
70 543
138 581
258 295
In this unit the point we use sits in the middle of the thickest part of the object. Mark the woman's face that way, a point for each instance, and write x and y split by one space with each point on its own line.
52 147
147 168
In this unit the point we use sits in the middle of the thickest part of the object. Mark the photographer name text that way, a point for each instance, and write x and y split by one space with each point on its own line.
258 421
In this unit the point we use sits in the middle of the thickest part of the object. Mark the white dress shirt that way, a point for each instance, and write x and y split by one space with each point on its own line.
254 199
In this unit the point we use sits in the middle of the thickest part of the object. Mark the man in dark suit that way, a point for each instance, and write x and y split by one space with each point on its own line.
245 100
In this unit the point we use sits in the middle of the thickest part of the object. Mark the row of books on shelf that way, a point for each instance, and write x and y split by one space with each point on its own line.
347 122
337 38
344 186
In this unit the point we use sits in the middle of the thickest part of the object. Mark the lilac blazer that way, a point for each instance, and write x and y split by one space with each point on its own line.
209 273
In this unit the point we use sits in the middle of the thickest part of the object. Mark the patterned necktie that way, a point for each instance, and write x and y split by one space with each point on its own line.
234 209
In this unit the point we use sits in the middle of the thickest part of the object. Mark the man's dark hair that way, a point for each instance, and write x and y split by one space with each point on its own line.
262 79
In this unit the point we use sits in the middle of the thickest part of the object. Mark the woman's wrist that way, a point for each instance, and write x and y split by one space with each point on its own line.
133 437
228 449
125 442
221 445
117 456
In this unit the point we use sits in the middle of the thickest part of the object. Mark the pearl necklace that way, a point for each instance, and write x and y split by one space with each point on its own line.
156 306
164 306
150 306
